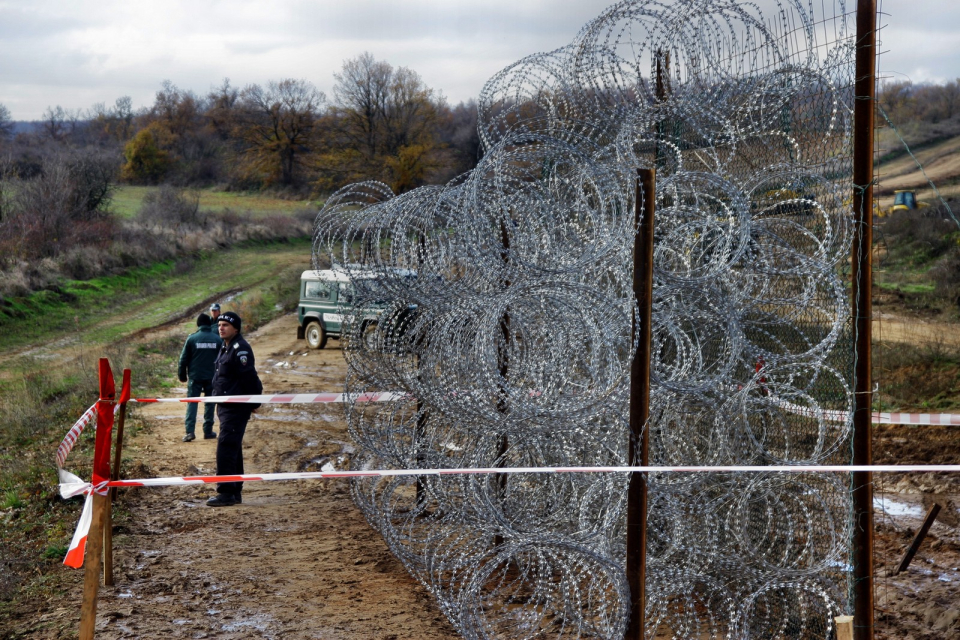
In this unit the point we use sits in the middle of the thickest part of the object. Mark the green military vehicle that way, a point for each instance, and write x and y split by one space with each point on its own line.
327 299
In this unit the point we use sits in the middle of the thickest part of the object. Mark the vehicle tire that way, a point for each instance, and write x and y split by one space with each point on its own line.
369 336
315 335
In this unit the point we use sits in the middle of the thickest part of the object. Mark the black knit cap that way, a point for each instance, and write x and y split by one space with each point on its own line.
231 318
203 320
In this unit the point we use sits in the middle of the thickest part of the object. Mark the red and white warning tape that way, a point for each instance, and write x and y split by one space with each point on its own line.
71 485
75 555
946 419
879 417
74 434
391 396
389 473
289 398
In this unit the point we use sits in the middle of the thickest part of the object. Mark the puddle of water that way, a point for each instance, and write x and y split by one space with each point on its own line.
283 418
894 508
345 447
258 621
301 372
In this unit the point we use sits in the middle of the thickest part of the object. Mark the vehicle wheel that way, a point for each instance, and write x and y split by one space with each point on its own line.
315 335
370 336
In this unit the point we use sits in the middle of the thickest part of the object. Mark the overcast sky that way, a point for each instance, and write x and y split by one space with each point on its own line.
75 53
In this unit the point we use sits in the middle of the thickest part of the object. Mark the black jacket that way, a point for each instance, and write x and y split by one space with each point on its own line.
236 373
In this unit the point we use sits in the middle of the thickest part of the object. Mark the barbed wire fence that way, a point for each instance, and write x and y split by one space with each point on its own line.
515 337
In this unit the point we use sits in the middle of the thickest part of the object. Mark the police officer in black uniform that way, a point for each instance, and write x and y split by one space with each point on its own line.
235 375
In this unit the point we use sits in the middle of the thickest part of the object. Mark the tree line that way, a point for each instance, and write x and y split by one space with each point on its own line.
382 122
905 102
922 114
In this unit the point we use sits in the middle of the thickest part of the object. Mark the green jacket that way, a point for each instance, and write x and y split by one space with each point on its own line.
199 355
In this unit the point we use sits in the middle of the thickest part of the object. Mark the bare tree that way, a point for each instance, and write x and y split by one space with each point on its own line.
6 123
385 123
361 94
55 123
221 112
113 123
276 126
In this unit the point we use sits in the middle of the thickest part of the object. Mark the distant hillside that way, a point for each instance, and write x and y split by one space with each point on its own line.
21 126
940 161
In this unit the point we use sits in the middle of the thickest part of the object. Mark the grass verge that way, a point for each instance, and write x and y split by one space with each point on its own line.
923 378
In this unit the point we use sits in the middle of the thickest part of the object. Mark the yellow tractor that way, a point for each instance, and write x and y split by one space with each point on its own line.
905 200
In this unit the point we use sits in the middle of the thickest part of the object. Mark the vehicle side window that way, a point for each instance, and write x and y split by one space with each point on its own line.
346 293
317 291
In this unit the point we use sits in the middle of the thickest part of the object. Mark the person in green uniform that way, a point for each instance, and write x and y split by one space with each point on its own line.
197 366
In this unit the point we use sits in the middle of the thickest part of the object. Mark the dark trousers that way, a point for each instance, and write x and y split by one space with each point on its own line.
233 424
196 388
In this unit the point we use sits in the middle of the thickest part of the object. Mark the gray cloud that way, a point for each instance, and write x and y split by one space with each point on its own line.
85 51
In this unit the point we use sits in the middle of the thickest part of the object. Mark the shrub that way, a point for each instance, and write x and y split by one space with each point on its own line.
171 208
920 234
64 205
146 161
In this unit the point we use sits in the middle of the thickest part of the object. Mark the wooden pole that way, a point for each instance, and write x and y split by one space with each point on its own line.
863 132
114 475
639 452
918 539
91 568
101 473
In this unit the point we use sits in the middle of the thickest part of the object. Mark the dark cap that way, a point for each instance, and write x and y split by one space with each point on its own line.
215 307
203 320
231 318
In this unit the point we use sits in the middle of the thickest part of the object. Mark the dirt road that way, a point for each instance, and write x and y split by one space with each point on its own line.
295 560
888 327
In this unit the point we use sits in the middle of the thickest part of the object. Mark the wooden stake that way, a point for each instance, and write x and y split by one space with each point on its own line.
91 568
844 627
101 474
918 539
114 475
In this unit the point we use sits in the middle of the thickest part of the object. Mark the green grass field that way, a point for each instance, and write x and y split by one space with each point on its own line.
104 310
127 200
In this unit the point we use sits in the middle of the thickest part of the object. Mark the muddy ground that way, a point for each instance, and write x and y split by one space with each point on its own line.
297 559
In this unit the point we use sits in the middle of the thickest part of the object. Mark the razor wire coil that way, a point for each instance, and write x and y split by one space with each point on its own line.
502 304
